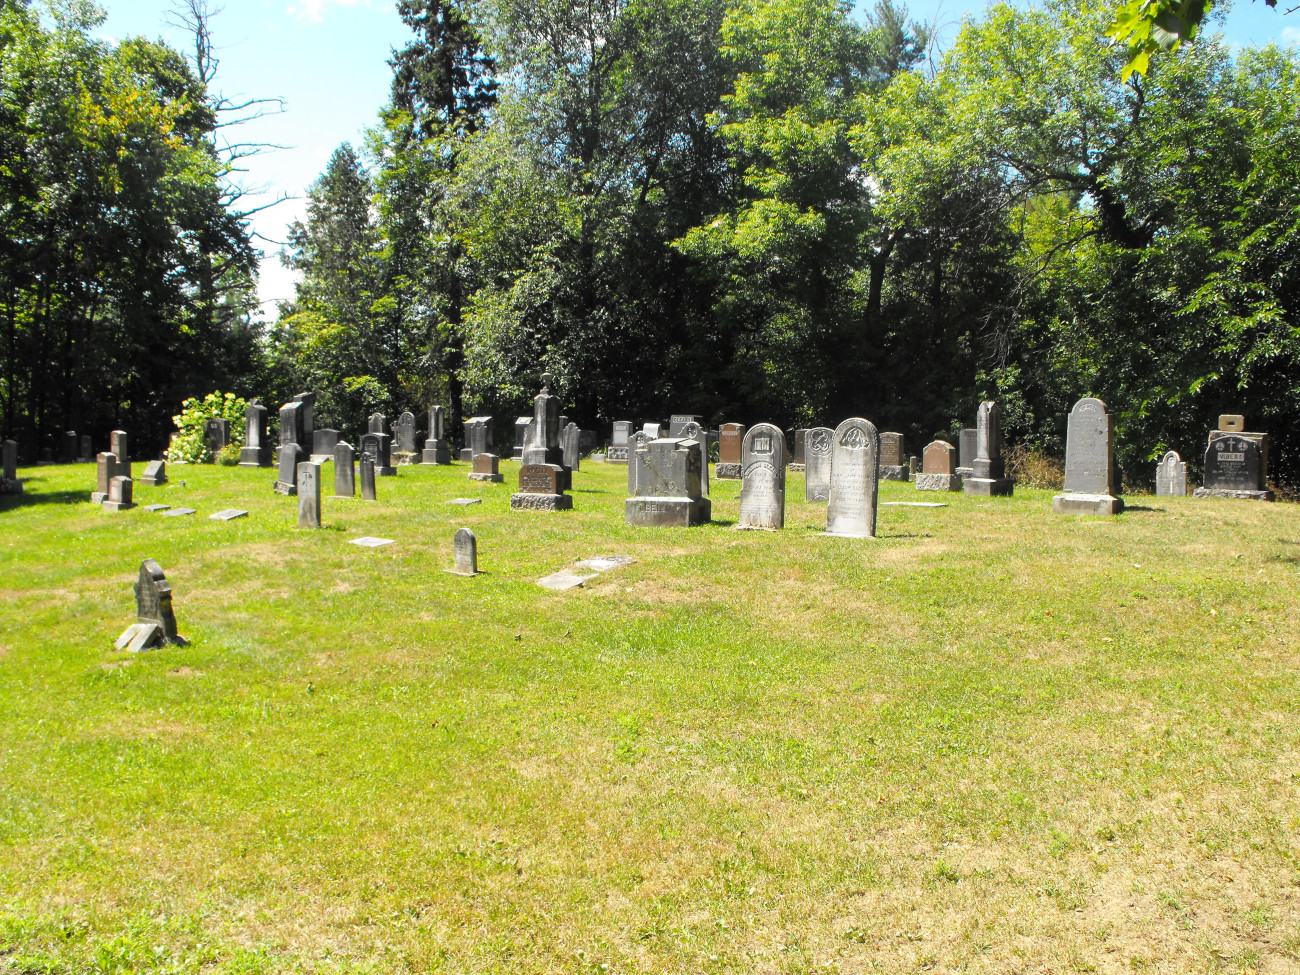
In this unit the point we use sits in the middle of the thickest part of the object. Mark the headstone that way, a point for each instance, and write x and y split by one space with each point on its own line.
464 552
119 494
309 490
117 445
571 446
678 421
9 483
817 447
522 424
485 469
256 451
216 433
587 442
1090 486
377 446
653 430
729 440
1261 439
988 478
367 469
478 437
286 480
377 423
893 458
68 447
541 488
799 461
670 493
85 453
762 478
617 452
939 468
345 475
370 541
700 437
405 436
436 450
913 465
291 426
855 475
308 414
105 471
1232 422
155 623
155 473
967 444
544 447
1234 468
636 464
323 442
1171 476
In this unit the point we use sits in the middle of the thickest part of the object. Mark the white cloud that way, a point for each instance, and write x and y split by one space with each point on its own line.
314 10
1290 36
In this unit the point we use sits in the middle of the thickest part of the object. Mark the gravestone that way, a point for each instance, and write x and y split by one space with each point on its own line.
522 424
636 465
345 475
729 441
485 469
893 458
308 414
256 451
229 514
1232 423
85 453
653 430
1090 487
678 421
617 452
155 473
571 446
377 446
799 461
117 445
464 548
436 450
1171 476
404 439
292 430
478 437
541 488
68 447
1234 468
988 477
762 478
367 470
309 491
967 444
544 443
323 442
377 423
286 479
700 437
119 494
216 433
913 465
105 471
855 473
155 621
817 446
939 468
9 483
670 494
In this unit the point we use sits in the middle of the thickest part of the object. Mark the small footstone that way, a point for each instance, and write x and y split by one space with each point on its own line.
603 563
230 514
155 508
560 581
177 512
371 542
465 501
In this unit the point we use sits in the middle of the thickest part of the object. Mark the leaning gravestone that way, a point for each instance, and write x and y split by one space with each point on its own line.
345 475
117 445
1234 468
730 437
670 492
939 468
256 451
967 442
286 479
893 458
541 488
817 447
465 553
155 473
762 478
486 469
1171 476
367 467
617 452
105 471
119 495
855 473
9 483
1089 462
309 491
636 472
155 623
377 446
988 476
436 450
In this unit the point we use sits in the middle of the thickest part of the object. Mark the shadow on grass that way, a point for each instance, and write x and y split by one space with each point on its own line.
1141 507
724 522
10 501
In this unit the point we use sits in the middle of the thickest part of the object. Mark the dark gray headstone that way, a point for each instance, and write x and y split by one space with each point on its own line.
367 470
119 494
256 451
323 442
155 473
678 421
762 484
377 446
345 475
855 476
11 460
153 600
84 450
216 433
292 427
465 552
117 441
68 447
1171 476
799 457
966 450
892 453
309 491
286 481
571 447
308 401
817 447
700 437
1233 463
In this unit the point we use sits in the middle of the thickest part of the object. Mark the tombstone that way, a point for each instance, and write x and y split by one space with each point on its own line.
617 450
587 442
636 465
155 473
405 445
1239 422
323 442
1232 423
988 478
1234 468
367 467
729 440
678 422
256 451
522 424
9 483
855 476
799 461
762 478
216 433
544 445
68 448
478 437
155 622
653 430
967 443
671 492
119 494
292 430
286 480
698 435
117 445
817 450
939 468
377 446
345 475
571 446
309 490
308 401
84 451
1090 486
1171 476
377 423
105 471
893 458
541 488
435 445
485 469
464 548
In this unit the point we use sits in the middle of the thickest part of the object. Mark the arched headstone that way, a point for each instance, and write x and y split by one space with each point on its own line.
855 480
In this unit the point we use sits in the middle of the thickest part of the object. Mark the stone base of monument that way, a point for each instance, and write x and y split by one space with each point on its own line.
285 488
10 487
667 512
938 482
98 497
541 502
890 472
727 472
989 487
467 455
255 457
153 481
385 471
1087 504
117 505
1204 492
796 467
439 455
964 472
616 455
494 478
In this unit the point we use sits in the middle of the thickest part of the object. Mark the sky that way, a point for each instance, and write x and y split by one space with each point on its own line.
328 60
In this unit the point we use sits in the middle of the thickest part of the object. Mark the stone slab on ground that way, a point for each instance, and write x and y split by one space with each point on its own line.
1204 492
603 563
465 501
1087 504
562 580
230 514
541 502
154 508
914 504
177 512
369 541
938 482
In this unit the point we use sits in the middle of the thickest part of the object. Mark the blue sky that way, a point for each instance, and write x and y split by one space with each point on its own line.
327 60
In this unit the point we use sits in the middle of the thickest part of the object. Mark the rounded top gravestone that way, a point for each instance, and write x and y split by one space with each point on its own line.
762 486
818 445
855 473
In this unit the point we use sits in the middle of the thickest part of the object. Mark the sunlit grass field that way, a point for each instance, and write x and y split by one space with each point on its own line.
992 740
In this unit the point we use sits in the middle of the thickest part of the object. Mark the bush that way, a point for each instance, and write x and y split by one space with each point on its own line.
188 445
229 455
1033 468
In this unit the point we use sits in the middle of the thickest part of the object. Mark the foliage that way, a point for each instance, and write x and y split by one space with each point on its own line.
188 444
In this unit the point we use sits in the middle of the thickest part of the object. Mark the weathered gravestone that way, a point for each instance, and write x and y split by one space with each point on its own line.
155 623
1171 476
855 473
405 445
1234 468
323 442
286 478
939 468
68 447
308 416
654 430
636 472
670 492
119 494
544 445
436 450
913 465
464 547
309 492
9 483
522 436
617 452
85 454
377 446
700 437
256 451
478 437
799 461
105 471
571 446
762 478
367 471
155 473
678 421
817 446
292 430
967 443
730 437
216 433
1090 487
1232 424
893 458
377 423
117 445
541 488
486 469
345 475
988 476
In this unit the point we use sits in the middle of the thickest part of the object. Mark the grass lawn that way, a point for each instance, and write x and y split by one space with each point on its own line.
993 740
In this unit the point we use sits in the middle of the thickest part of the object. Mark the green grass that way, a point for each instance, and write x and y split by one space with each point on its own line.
992 740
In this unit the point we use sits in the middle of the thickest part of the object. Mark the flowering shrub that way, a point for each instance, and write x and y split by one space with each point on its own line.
188 445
